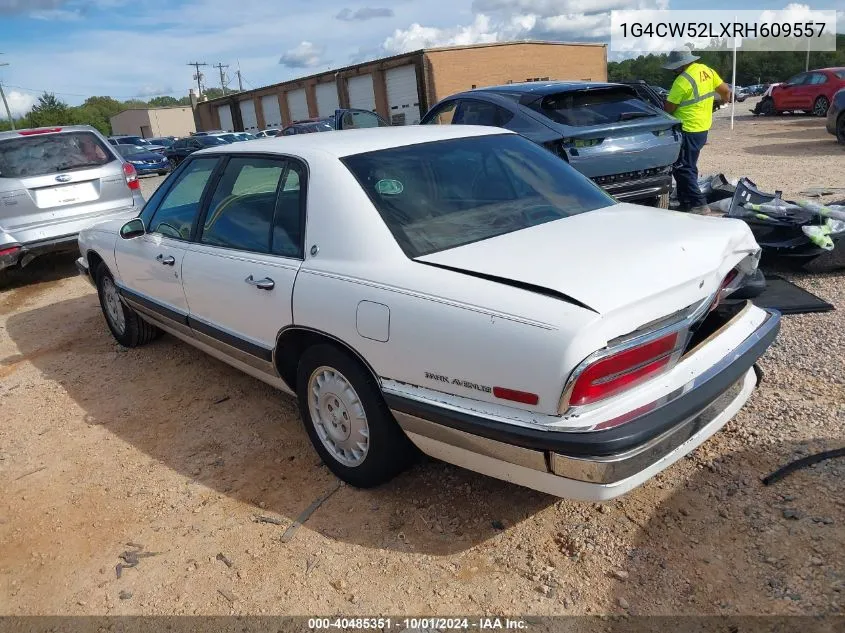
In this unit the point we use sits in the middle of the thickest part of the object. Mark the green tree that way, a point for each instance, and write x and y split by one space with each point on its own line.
49 110
162 102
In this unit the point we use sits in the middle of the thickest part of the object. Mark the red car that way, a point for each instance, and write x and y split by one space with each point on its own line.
810 92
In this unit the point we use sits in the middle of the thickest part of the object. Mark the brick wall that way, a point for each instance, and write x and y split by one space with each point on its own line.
461 69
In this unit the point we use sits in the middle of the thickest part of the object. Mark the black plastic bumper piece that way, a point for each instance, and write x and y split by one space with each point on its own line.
612 441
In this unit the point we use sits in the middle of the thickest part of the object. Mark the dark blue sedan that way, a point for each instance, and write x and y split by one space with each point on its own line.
143 160
605 131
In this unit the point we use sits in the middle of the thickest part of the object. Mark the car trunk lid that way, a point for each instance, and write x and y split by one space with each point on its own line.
608 130
619 258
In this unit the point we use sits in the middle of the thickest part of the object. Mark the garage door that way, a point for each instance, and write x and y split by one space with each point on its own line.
248 115
297 104
327 101
270 107
361 94
225 114
403 102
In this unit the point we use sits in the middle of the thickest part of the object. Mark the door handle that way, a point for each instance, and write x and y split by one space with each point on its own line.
167 261
263 284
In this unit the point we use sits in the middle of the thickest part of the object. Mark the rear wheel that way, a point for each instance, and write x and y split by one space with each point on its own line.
173 162
820 106
347 419
127 327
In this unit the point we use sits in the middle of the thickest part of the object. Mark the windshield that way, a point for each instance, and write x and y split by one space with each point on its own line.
436 196
164 142
581 108
41 154
132 150
231 138
208 141
132 140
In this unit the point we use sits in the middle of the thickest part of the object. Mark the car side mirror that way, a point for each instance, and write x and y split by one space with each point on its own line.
132 229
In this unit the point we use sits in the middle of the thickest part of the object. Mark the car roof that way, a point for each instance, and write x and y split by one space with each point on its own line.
544 87
348 142
48 130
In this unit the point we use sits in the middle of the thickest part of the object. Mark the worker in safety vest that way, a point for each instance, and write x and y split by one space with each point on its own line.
690 100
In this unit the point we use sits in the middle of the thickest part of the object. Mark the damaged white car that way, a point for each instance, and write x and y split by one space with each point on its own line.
452 288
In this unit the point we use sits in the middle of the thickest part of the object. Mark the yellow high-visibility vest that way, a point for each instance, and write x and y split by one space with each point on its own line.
693 92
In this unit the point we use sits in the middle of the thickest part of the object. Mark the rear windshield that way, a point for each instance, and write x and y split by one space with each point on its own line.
208 141
131 140
436 196
40 154
581 108
132 150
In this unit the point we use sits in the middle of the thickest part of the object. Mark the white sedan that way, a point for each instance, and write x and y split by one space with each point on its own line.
456 289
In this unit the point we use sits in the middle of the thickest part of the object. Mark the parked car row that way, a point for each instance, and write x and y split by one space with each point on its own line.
810 92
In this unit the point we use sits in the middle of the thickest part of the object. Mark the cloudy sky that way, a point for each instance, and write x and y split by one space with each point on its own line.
140 48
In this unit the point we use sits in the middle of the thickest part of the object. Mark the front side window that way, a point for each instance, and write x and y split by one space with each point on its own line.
818 78
42 154
797 80
175 215
436 196
255 207
600 106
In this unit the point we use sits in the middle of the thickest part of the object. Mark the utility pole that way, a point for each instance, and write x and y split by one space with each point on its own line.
240 79
220 66
6 103
198 76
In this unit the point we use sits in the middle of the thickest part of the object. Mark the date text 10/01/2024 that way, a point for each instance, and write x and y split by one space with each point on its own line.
416 624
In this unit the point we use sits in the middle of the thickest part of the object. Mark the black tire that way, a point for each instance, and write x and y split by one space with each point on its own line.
662 201
136 331
389 450
162 173
173 162
767 107
821 106
840 129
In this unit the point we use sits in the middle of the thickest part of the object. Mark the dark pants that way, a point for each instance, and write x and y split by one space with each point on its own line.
685 170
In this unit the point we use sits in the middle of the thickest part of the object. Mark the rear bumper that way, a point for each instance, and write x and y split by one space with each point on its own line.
31 250
638 189
595 465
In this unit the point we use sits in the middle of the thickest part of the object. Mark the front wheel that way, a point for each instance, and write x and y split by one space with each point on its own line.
173 162
767 106
347 420
127 327
820 106
840 129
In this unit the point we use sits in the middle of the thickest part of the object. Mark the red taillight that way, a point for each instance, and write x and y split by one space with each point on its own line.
722 287
9 251
43 130
609 376
516 396
131 176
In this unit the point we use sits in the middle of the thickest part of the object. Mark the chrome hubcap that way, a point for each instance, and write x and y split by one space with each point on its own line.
338 416
114 309
821 107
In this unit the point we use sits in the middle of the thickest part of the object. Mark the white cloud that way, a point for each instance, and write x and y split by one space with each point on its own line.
504 20
306 55
19 103
364 13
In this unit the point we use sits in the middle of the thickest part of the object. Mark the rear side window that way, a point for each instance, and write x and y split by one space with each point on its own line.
444 114
436 196
42 154
581 108
840 74
473 112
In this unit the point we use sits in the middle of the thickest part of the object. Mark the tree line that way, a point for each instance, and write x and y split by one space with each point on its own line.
49 110
751 67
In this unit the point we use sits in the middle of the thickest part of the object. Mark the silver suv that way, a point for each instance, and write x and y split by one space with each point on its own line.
55 182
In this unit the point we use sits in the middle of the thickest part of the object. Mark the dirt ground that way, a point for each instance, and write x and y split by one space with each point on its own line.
163 450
